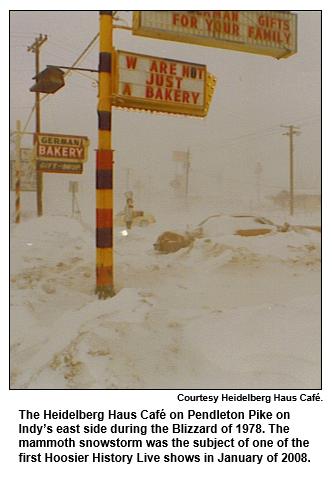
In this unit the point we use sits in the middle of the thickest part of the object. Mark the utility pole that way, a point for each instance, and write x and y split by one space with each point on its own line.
35 49
292 131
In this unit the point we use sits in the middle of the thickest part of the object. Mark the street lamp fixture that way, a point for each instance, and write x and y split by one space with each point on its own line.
49 80
52 79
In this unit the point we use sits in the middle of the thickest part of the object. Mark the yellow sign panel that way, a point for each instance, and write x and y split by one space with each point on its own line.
162 85
270 33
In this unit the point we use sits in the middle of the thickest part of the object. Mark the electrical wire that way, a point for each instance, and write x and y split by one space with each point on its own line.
67 73
269 132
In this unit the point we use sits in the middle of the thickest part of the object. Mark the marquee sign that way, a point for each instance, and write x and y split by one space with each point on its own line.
61 153
270 33
162 85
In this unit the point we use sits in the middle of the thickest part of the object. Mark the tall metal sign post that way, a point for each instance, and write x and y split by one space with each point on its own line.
104 162
135 81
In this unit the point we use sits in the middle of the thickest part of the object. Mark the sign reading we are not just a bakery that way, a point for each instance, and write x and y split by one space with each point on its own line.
162 85
270 33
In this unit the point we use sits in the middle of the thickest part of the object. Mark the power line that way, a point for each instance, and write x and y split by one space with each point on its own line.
269 132
63 47
227 142
65 74
23 35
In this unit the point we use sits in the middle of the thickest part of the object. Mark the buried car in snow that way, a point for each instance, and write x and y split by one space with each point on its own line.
246 225
140 219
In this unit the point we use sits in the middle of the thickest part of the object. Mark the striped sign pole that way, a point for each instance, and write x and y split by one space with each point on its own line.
18 174
104 163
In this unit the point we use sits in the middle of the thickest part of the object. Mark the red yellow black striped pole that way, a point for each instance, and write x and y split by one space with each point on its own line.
104 162
18 174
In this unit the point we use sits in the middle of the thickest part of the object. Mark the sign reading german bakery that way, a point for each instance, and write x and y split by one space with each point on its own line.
271 33
61 153
162 85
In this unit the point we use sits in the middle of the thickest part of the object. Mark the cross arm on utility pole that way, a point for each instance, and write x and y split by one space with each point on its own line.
292 130
38 42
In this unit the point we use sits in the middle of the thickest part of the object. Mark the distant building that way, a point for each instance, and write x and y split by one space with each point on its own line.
302 201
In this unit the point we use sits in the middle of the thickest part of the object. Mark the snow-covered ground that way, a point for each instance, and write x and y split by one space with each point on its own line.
230 312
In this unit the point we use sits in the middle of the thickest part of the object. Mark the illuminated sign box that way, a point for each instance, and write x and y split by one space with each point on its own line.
270 33
162 85
61 153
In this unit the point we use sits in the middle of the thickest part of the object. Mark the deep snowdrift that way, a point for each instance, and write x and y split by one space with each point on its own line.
231 312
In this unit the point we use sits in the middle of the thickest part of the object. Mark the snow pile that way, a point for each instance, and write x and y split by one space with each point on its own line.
230 312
